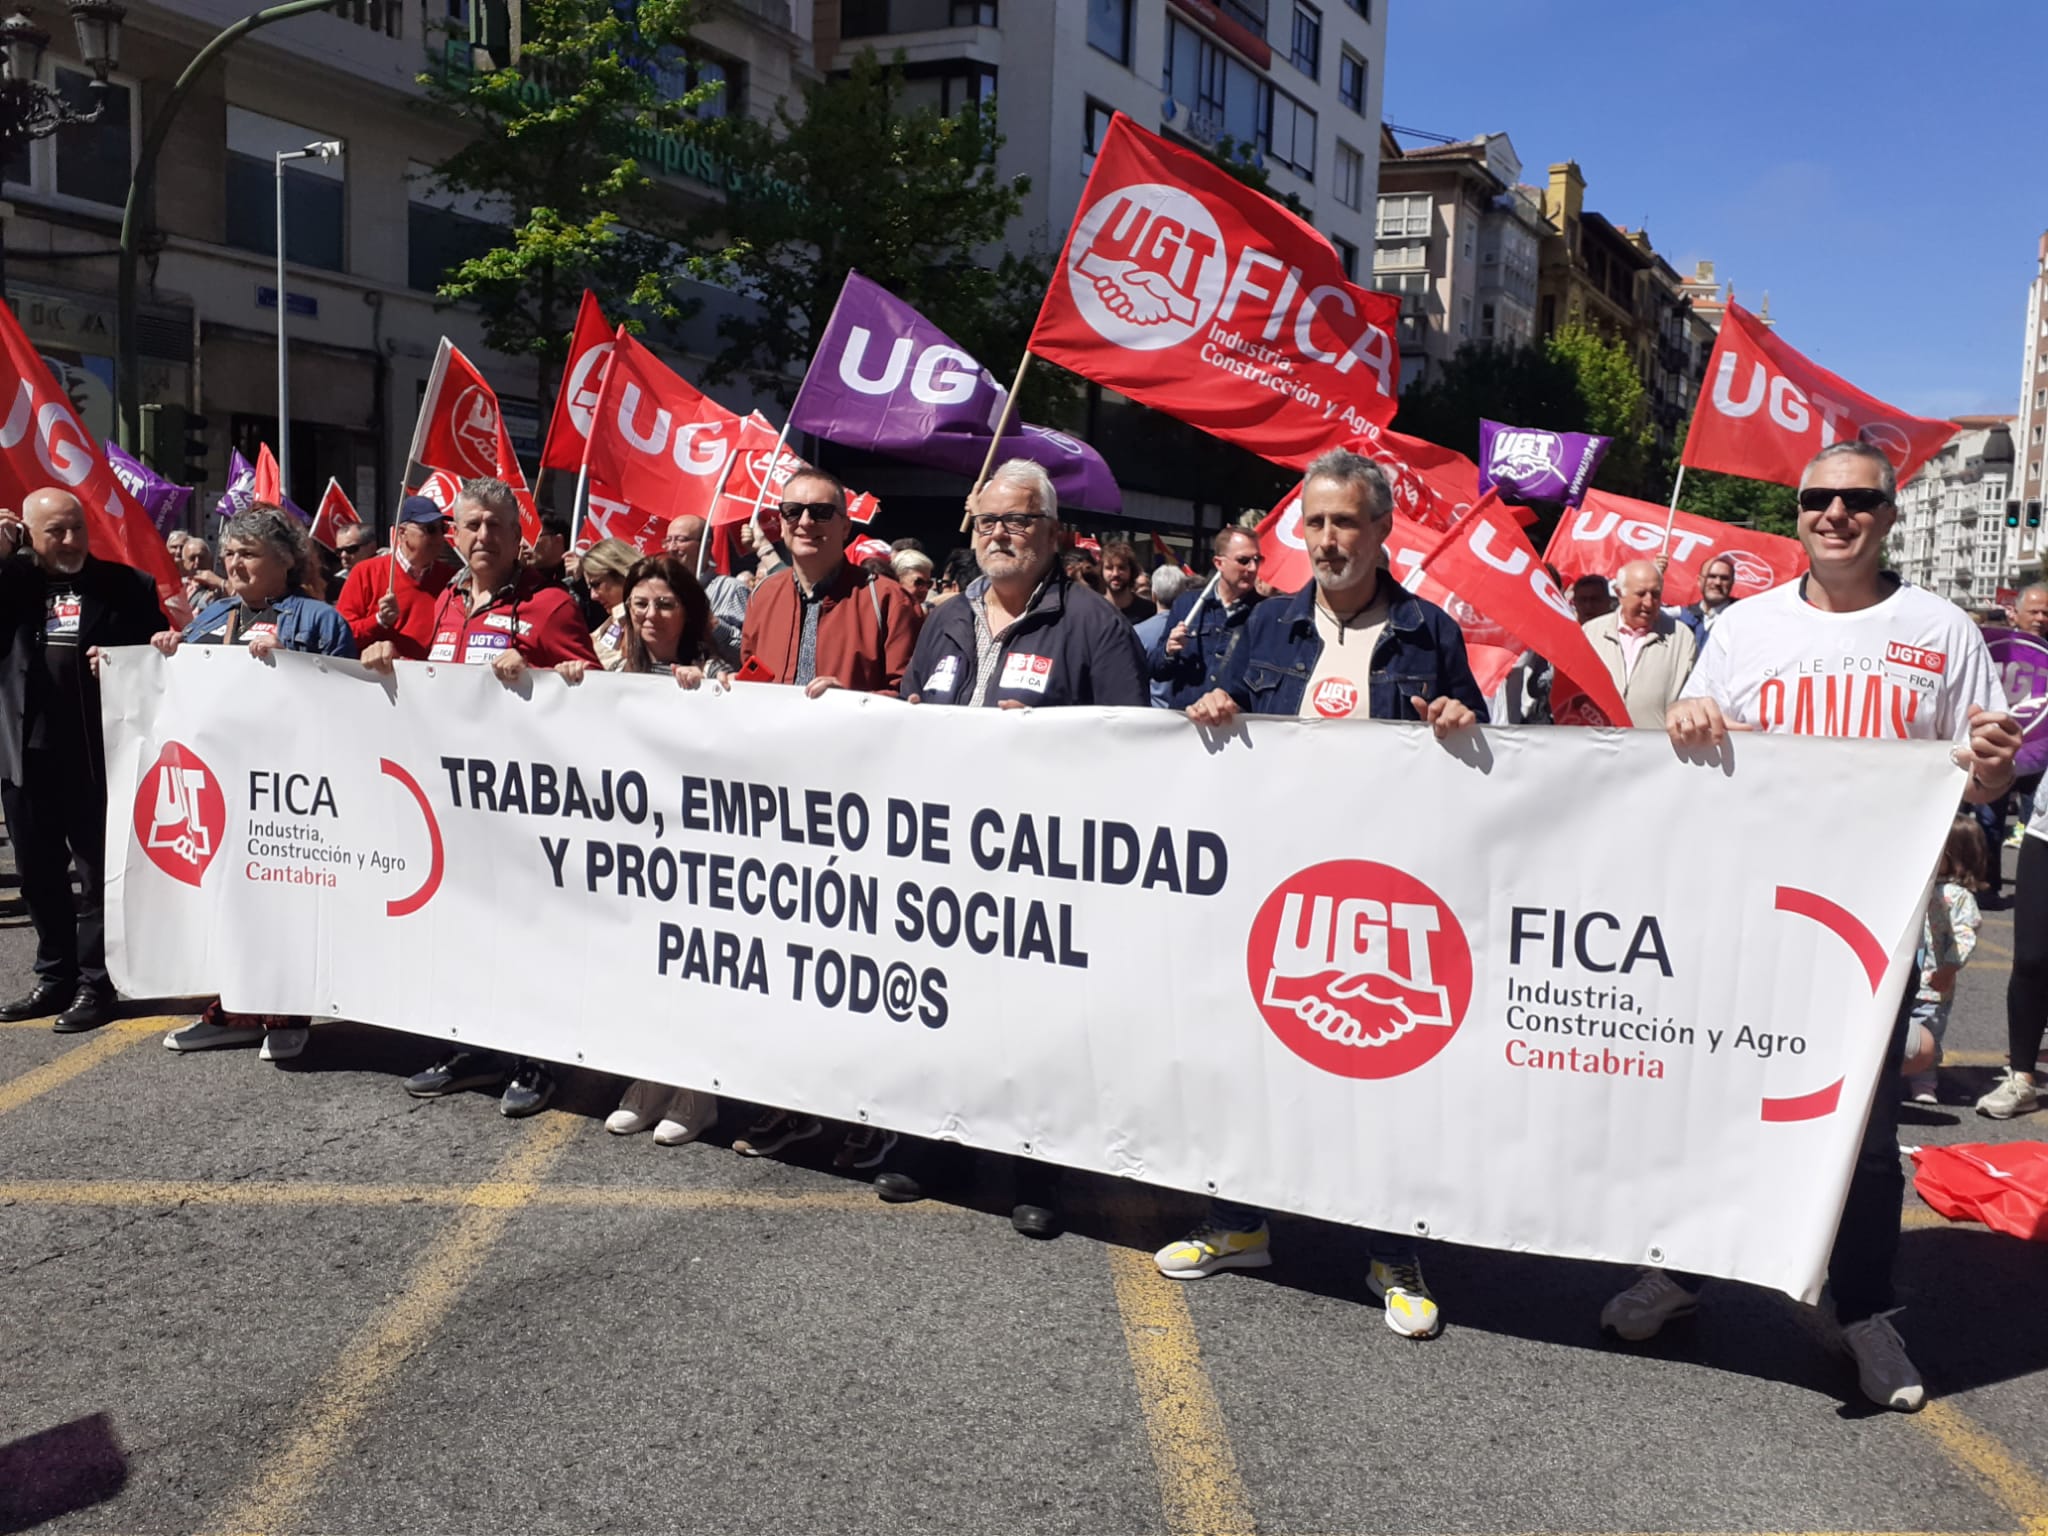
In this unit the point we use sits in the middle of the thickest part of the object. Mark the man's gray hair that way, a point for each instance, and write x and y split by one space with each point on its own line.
275 529
1348 468
1168 582
1887 476
2032 586
1030 474
906 560
490 493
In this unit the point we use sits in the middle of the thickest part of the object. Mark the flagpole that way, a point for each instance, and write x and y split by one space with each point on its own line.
717 492
1672 516
761 495
582 500
995 443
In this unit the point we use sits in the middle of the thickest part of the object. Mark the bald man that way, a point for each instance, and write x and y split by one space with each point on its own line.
728 597
59 607
1648 653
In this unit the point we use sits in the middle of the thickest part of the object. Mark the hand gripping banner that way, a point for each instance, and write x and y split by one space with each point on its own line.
1160 968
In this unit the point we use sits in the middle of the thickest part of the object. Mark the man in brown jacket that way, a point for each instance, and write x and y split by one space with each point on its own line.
824 623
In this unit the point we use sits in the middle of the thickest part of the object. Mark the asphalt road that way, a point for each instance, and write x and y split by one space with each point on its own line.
248 1298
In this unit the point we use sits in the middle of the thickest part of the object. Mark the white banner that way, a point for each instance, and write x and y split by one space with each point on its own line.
1549 990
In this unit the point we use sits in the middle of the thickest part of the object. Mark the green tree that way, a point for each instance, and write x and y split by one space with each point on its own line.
1235 156
909 196
563 137
1735 499
1611 403
1524 385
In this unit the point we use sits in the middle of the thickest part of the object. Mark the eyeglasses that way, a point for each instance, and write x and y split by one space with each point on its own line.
1818 498
1009 522
1244 559
642 606
816 511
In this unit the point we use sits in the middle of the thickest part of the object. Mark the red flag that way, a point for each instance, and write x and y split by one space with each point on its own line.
44 444
1608 531
1191 293
656 441
582 380
441 488
863 549
459 425
336 513
1488 562
1766 411
864 507
757 459
269 485
612 517
1433 486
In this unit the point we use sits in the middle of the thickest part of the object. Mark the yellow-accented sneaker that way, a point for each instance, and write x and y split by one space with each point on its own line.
1210 1248
1411 1310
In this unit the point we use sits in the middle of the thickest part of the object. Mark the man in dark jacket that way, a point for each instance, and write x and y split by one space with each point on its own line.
1350 645
1024 634
1204 622
58 608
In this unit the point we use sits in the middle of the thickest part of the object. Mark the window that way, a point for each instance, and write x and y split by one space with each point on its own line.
675 76
1350 175
1109 28
1486 322
1465 316
1404 216
1307 52
1290 136
1095 127
953 87
2040 398
1363 7
315 192
873 18
1249 13
1351 81
89 161
1347 253
1224 96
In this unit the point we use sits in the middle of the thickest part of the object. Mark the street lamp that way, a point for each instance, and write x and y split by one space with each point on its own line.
30 109
326 149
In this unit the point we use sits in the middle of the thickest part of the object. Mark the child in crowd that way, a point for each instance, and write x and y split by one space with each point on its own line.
1949 937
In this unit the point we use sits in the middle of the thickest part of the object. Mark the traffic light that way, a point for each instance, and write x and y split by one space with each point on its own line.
161 425
2033 514
2012 514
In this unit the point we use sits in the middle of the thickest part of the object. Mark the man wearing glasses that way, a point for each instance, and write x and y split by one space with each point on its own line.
728 596
823 623
1717 596
1205 621
1846 650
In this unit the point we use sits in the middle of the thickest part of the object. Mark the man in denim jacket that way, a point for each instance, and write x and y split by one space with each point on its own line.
1351 644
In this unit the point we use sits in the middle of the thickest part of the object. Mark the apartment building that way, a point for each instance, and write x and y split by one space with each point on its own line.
1951 536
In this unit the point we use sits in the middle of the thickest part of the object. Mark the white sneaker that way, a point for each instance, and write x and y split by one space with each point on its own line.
1640 1312
1883 1371
639 1108
1209 1248
283 1044
1411 1310
687 1115
205 1035
2013 1094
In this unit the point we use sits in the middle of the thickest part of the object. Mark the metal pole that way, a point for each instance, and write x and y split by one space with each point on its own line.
284 371
128 379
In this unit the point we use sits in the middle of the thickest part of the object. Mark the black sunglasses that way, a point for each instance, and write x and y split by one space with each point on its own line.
816 511
1818 498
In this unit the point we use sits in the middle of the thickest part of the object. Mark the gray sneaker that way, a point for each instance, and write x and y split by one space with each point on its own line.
2014 1094
1887 1376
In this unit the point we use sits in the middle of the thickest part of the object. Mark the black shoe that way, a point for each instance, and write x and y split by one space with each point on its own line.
452 1074
898 1187
45 1000
89 1010
1036 1220
528 1092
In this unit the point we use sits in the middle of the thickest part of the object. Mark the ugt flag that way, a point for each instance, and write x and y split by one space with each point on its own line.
1538 465
1766 410
44 444
1609 531
336 513
582 379
1185 289
886 379
164 502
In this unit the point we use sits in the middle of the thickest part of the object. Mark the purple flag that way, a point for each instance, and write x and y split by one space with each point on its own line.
241 492
886 379
164 502
2022 662
1536 465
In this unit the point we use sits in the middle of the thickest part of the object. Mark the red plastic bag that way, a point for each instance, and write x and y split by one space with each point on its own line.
2002 1184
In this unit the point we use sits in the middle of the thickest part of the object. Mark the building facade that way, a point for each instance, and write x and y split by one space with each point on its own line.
1950 536
2020 561
367 240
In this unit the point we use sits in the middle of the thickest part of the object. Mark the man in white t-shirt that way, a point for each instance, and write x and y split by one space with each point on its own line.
1846 650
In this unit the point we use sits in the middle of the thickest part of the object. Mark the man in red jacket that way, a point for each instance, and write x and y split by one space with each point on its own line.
390 597
496 612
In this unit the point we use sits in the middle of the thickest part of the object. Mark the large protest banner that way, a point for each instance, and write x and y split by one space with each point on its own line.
1337 968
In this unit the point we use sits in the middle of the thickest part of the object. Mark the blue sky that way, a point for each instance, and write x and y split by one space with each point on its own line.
1873 166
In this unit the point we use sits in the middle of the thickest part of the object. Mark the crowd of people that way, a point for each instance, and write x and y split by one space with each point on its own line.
1020 619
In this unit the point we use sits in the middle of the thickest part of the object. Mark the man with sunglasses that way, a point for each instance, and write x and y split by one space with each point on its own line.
1205 621
1847 650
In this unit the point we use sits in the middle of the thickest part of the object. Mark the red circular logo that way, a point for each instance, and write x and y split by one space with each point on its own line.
1359 968
180 814
1335 697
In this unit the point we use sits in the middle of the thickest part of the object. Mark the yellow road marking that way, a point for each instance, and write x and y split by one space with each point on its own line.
171 1192
2015 1485
1198 1481
394 1334
108 1040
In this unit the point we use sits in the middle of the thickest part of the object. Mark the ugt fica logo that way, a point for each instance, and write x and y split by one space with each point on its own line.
1359 968
1526 455
180 813
1147 266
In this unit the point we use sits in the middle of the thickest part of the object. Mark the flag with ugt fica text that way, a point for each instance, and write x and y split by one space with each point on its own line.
1765 410
1488 563
1190 292
44 444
